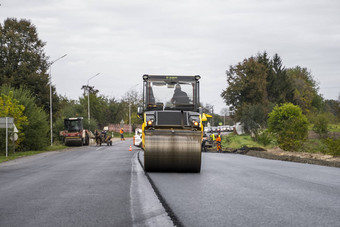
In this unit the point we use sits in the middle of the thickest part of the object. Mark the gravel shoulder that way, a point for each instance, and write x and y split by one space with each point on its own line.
302 157
279 154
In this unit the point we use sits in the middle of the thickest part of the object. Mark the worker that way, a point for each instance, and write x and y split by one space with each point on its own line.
179 97
204 141
212 136
121 131
218 142
104 135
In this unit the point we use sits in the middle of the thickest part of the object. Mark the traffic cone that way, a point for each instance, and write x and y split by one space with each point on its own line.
130 149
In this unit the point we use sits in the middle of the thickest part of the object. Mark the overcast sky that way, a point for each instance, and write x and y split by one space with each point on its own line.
125 39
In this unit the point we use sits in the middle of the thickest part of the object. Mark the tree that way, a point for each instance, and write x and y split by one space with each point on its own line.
23 61
253 117
247 83
131 99
289 125
263 81
305 89
333 106
279 86
10 107
36 130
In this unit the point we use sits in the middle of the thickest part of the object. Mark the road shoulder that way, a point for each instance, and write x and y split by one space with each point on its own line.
301 157
146 209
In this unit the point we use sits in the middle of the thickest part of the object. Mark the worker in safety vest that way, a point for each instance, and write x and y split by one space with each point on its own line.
212 136
121 131
218 141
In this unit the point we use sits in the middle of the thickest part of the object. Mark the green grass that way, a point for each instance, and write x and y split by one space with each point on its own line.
238 141
334 127
312 146
12 156
331 127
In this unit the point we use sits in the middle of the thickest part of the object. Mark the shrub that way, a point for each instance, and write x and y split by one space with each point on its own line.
264 137
321 122
332 146
289 126
36 131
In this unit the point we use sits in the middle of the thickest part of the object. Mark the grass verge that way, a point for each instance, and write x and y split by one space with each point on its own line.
126 135
12 156
331 146
237 141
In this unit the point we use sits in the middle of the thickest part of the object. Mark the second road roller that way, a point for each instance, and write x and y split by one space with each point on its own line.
172 129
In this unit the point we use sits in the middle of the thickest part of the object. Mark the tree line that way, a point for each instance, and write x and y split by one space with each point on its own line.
25 94
260 84
254 87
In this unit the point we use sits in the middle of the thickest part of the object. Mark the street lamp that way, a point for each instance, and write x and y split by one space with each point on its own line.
88 98
51 63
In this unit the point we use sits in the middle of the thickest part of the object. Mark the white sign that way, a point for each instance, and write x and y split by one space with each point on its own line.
10 122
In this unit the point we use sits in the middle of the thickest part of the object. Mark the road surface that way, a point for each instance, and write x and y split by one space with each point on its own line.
239 190
106 186
85 186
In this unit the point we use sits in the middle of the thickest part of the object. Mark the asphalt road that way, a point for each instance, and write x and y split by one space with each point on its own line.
85 186
238 190
106 186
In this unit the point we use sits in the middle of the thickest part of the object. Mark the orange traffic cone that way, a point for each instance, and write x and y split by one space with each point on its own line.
130 149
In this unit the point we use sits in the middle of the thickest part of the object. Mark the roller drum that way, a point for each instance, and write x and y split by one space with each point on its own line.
73 142
172 151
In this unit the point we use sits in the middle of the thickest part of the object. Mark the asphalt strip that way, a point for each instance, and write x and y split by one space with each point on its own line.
146 209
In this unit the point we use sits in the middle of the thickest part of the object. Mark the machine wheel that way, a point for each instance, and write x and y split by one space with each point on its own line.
173 153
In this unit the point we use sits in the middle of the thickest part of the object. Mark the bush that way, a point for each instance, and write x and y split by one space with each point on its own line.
289 126
264 137
321 122
36 131
332 146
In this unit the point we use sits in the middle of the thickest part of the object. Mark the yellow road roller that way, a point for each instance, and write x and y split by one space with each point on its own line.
172 129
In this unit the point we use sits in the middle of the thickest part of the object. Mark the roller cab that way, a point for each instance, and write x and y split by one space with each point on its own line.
172 128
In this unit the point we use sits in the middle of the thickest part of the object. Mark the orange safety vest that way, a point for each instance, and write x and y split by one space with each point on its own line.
218 139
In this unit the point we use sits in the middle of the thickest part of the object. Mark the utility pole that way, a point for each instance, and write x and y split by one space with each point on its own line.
87 90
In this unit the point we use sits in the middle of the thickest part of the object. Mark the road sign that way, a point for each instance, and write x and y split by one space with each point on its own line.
10 122
6 122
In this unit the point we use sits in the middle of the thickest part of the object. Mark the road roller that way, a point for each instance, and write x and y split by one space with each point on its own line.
172 129
74 133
